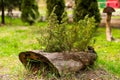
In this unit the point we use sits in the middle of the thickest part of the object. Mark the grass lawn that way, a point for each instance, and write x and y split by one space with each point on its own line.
15 39
108 52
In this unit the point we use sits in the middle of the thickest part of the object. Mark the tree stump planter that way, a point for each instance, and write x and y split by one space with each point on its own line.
56 63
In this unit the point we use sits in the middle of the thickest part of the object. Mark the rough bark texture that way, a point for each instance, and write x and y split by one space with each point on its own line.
56 63
3 14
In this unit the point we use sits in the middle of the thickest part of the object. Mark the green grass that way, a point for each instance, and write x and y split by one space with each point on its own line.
115 17
13 21
15 39
108 52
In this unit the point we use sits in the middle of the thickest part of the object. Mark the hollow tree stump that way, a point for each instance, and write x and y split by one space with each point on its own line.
56 63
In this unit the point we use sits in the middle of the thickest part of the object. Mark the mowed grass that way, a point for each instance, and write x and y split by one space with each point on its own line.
108 52
15 39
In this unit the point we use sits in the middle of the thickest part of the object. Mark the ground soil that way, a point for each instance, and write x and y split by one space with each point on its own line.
98 74
88 74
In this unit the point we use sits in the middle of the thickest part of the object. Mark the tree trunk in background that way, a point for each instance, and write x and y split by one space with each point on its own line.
3 14
108 27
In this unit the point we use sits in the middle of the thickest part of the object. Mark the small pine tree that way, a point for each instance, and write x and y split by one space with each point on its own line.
59 37
59 4
87 7
30 11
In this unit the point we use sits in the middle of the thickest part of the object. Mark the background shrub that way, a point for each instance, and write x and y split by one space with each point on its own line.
30 12
88 7
59 10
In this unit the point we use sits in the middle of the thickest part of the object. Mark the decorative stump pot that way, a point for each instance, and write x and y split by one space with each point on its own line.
57 62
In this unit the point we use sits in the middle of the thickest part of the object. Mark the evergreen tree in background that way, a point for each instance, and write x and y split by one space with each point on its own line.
2 11
59 6
30 11
11 4
86 7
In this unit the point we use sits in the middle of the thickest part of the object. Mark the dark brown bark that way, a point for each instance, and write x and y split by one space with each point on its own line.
56 63
3 14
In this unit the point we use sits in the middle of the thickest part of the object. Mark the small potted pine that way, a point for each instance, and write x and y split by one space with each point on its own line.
65 49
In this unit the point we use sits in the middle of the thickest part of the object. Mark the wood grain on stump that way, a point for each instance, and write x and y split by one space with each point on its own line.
57 63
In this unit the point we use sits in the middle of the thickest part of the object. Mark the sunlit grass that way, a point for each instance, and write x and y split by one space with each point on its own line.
13 21
108 52
17 36
15 39
10 64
